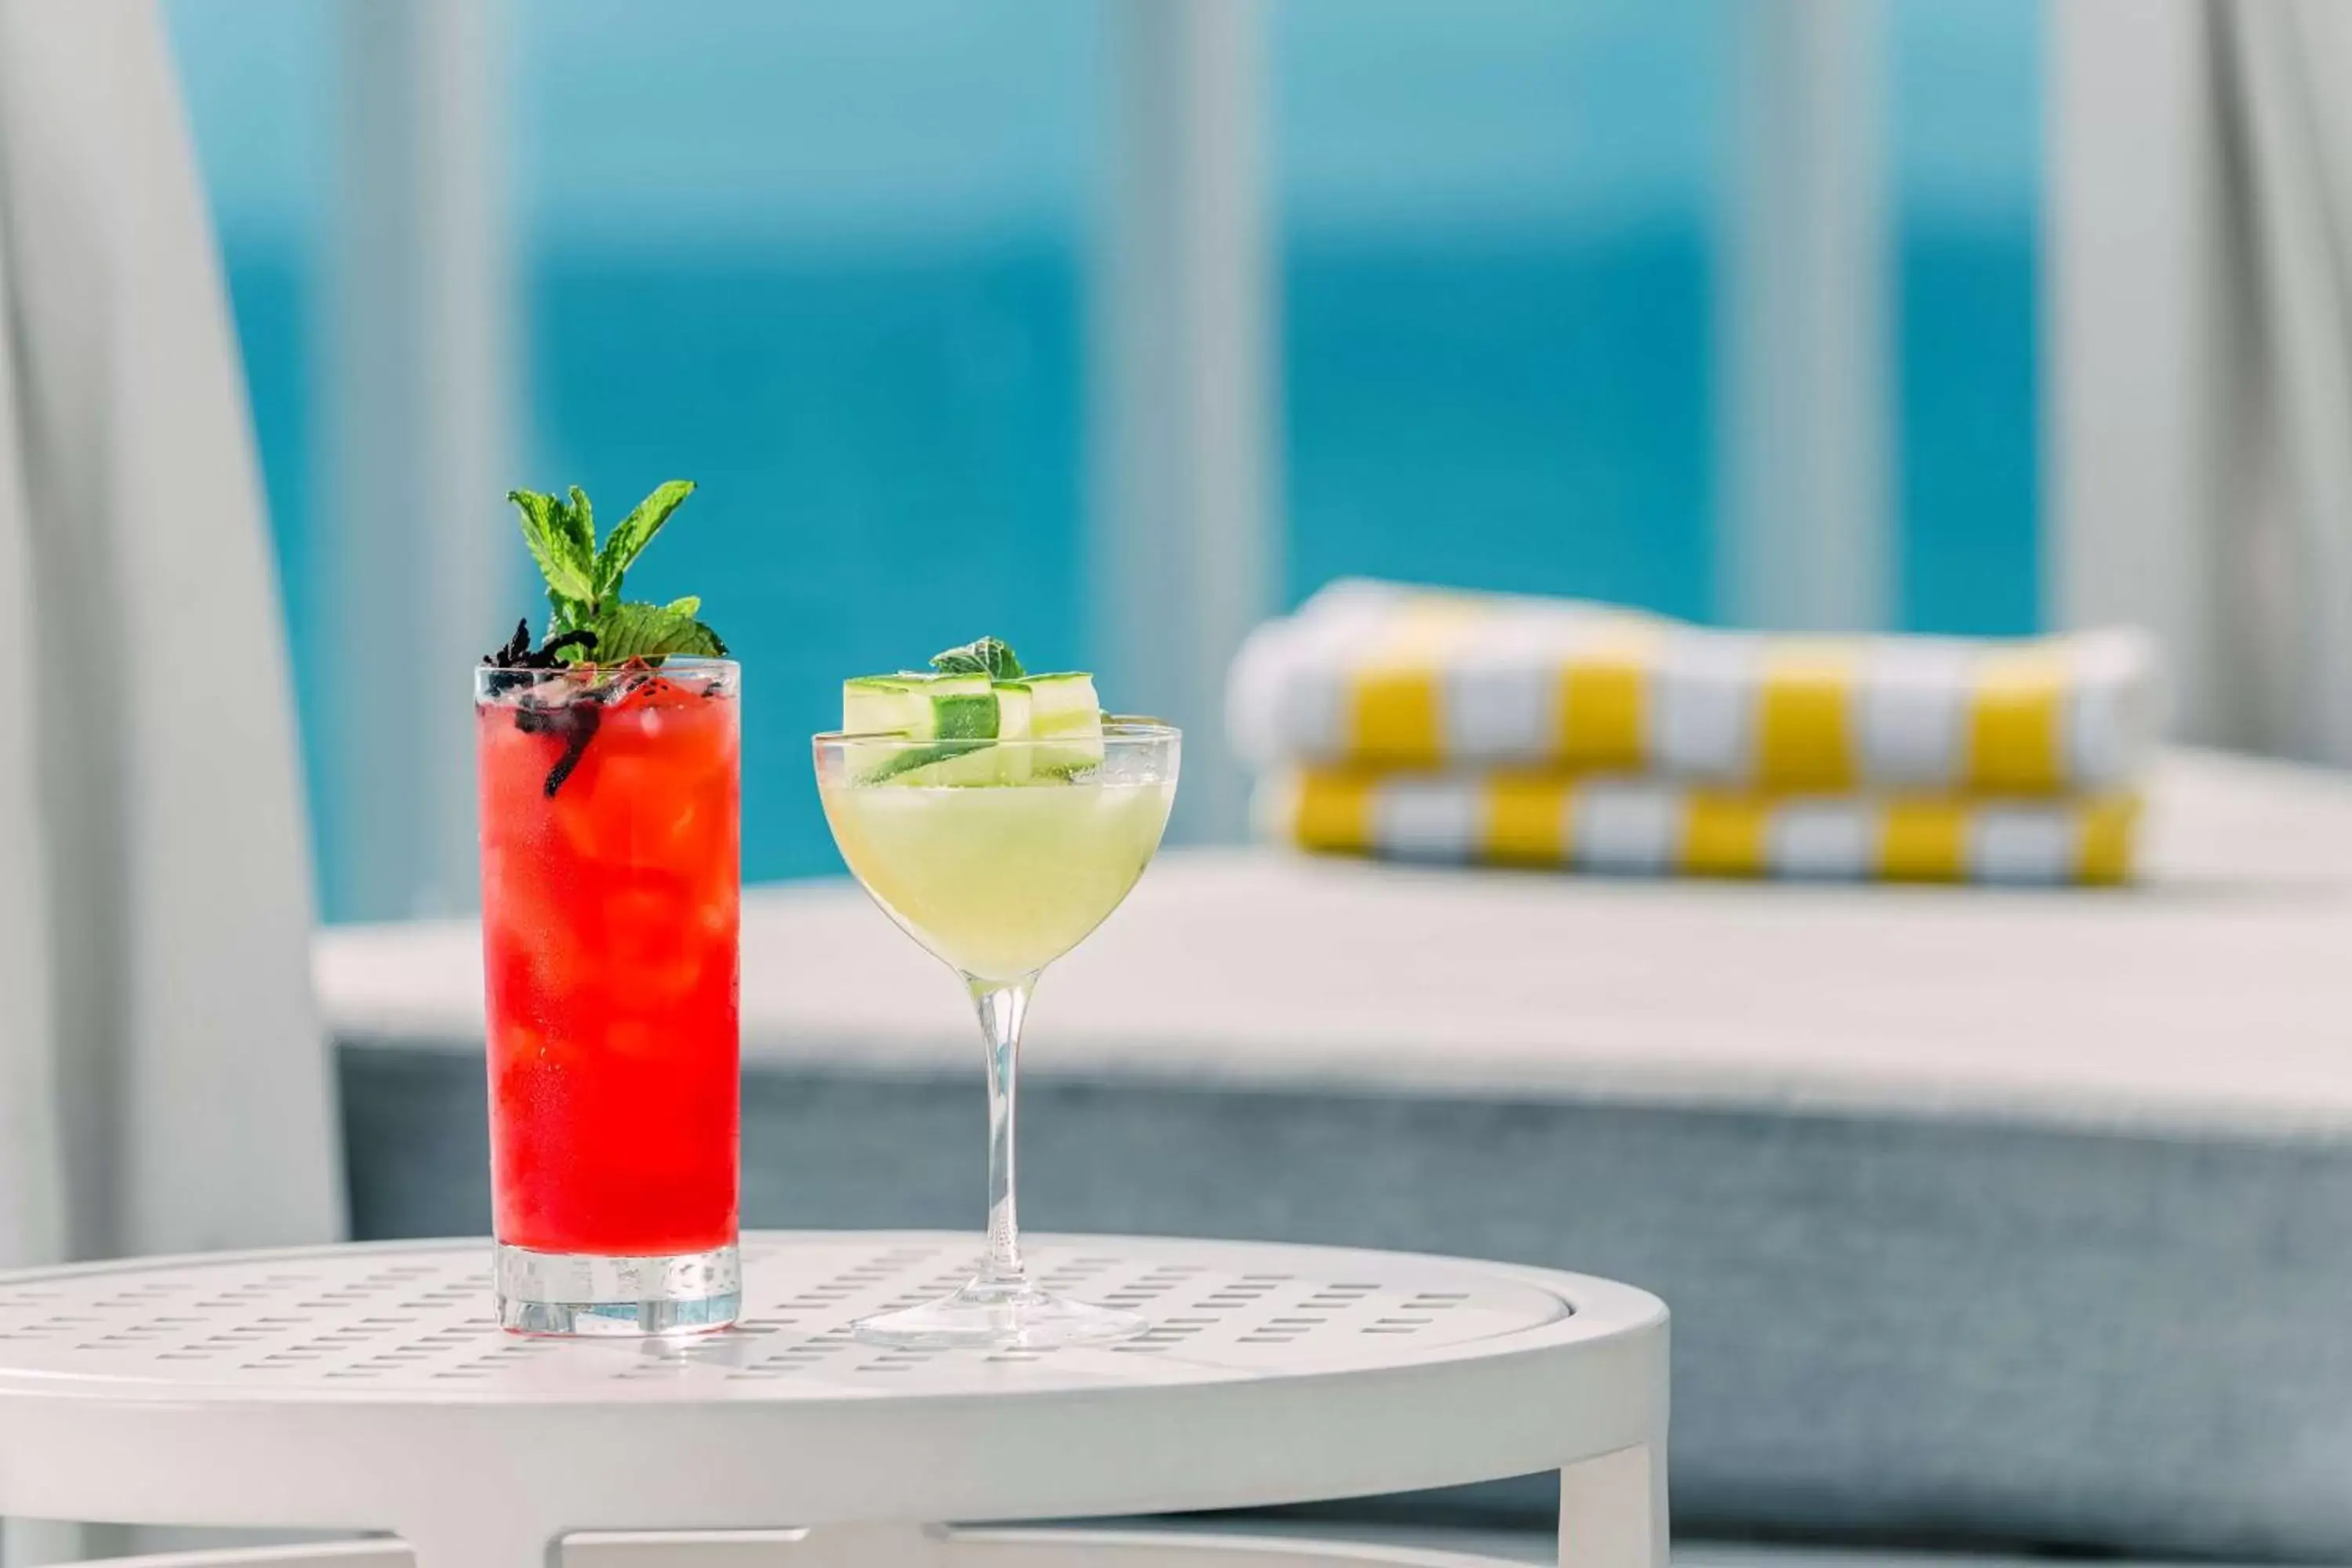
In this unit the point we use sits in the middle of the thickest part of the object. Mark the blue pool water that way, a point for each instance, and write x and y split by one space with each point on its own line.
892 443
830 261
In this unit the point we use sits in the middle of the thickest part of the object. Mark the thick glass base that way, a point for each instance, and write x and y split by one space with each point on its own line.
998 1315
584 1293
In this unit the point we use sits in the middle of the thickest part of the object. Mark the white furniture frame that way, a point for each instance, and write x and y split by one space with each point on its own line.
367 1388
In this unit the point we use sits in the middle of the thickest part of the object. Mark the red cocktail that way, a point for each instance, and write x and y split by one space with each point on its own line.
610 825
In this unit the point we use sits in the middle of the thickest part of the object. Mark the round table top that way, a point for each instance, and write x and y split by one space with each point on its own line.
365 1387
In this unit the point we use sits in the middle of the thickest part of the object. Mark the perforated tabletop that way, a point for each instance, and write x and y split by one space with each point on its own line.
413 1322
359 1386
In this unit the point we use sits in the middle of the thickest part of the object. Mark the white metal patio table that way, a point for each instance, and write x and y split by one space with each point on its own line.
368 1388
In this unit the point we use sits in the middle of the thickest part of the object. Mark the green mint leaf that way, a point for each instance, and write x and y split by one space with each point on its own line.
584 582
579 523
566 615
637 531
629 631
990 657
549 532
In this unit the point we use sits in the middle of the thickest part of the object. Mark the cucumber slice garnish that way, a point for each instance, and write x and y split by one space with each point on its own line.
962 711
876 761
1015 712
1014 708
1064 704
1065 710
971 763
920 707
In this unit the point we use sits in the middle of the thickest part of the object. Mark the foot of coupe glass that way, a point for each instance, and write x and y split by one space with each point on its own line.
999 1314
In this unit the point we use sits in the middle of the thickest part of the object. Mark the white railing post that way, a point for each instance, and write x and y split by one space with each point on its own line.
1806 404
419 361
2135 350
1185 555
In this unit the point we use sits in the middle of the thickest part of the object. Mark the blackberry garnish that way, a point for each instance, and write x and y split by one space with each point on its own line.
517 653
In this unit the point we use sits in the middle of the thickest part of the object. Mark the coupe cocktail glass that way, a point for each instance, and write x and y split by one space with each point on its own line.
610 887
998 878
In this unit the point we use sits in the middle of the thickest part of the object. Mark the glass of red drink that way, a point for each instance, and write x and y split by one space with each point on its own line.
610 822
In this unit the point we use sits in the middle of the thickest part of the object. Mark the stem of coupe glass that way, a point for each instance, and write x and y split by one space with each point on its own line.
1001 1007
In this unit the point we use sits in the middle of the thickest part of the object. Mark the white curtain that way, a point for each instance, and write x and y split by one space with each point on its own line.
163 1081
2283 241
2200 371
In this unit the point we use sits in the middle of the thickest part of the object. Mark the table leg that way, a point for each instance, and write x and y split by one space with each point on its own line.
827 1546
1612 1511
483 1540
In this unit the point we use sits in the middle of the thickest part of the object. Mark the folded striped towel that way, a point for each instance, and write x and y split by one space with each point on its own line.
1645 826
1376 675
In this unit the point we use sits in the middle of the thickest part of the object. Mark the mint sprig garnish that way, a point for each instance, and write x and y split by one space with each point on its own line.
991 656
588 618
650 631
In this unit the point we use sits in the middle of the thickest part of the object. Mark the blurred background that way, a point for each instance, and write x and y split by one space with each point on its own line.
862 272
2007 1219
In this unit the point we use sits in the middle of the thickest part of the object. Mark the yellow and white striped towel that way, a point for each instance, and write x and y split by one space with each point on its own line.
1646 827
1375 674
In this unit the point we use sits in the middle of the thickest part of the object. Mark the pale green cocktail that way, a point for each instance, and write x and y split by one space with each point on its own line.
999 881
998 818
